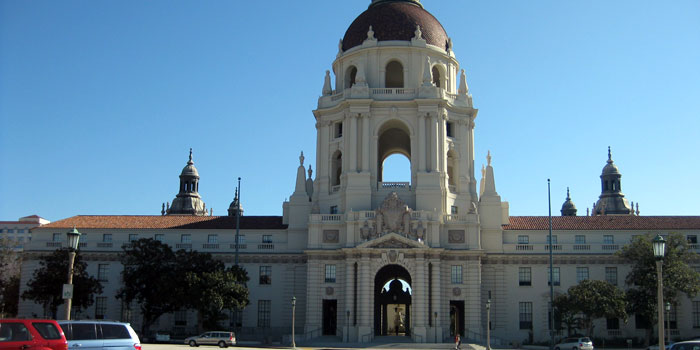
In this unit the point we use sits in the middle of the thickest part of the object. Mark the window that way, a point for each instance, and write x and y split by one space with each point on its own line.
102 271
581 274
20 230
525 311
181 318
554 239
330 273
555 276
525 276
265 274
57 237
672 317
133 237
264 307
456 274
334 209
337 166
611 275
696 314
394 75
107 238
11 230
436 76
338 130
350 76
608 239
692 239
641 322
523 239
580 239
100 307
267 238
160 237
14 332
185 238
213 239
455 210
449 129
241 239
613 323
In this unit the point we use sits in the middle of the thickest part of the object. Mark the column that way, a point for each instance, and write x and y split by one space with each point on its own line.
437 283
421 154
419 299
349 297
366 298
442 136
322 157
434 142
365 142
352 141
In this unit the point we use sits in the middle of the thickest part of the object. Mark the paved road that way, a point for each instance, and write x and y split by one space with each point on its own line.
401 346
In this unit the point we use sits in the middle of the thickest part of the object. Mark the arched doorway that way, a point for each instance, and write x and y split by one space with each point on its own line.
392 301
394 139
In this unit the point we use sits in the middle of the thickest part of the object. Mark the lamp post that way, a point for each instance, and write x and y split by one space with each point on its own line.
294 305
435 325
488 324
668 322
659 245
73 239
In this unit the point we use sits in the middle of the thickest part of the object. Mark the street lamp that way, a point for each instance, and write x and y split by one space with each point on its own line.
294 306
435 325
668 321
73 239
659 245
488 324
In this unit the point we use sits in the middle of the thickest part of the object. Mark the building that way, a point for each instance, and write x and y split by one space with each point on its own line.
18 233
349 241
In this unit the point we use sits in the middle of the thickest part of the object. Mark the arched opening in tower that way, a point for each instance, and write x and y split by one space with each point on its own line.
394 153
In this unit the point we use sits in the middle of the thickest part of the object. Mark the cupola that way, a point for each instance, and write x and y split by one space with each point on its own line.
611 201
188 201
568 208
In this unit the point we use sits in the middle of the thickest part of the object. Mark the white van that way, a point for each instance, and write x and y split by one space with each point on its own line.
100 335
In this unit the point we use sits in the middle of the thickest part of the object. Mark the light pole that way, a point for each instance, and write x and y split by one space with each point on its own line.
488 324
294 306
668 322
73 239
659 245
435 325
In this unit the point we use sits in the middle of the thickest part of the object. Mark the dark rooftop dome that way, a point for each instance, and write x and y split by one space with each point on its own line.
395 20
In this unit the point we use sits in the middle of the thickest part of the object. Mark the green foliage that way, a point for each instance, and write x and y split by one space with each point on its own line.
588 301
9 297
678 276
10 262
566 312
46 285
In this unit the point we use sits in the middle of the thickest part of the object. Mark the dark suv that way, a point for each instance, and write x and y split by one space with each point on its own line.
16 334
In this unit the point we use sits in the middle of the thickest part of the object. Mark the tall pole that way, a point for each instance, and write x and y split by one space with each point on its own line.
660 294
294 305
238 216
668 322
69 301
551 271
488 323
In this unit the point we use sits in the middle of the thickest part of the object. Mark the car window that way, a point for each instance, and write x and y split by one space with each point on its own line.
14 331
586 340
115 331
47 330
82 331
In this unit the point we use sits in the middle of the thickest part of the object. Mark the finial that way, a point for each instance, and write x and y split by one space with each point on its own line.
609 155
637 208
483 171
190 161
301 158
310 171
488 158
568 197
588 211
162 210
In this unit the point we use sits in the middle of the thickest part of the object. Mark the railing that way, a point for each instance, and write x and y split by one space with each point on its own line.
694 246
82 244
610 247
210 246
524 247
454 218
614 332
331 217
555 247
393 185
240 246
53 244
393 92
266 246
183 246
104 245
582 247
366 338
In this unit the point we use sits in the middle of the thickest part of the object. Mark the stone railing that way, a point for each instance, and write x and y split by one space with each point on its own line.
543 248
183 246
266 246
104 245
393 93
393 185
53 244
454 218
210 246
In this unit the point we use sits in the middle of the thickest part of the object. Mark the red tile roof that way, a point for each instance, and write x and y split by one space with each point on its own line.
624 222
167 222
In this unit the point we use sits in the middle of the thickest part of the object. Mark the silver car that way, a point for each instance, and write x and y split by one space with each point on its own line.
583 343
221 338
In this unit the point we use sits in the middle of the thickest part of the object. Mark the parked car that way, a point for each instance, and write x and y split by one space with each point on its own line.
100 335
686 345
582 343
221 338
667 346
31 334
162 337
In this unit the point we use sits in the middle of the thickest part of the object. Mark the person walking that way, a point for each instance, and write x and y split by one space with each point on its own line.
458 342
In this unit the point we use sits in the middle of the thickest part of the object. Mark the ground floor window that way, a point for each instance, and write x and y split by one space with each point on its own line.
525 310
100 307
264 307
696 314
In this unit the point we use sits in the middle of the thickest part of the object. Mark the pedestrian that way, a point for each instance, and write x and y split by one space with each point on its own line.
458 342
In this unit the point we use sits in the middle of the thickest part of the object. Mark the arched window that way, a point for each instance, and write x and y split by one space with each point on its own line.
451 170
436 76
394 75
396 168
350 76
337 168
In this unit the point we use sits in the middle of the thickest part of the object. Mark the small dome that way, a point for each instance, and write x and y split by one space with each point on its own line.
395 20
189 169
568 208
610 168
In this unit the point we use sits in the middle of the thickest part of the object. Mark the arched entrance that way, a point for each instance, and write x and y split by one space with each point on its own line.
392 305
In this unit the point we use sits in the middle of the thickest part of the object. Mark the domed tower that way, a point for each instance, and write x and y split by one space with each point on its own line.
611 200
568 208
398 90
188 201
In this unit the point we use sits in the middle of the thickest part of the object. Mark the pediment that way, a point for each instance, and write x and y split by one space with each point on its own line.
392 240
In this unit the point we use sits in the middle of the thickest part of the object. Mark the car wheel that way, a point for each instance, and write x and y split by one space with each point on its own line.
222 344
574 348
557 348
193 343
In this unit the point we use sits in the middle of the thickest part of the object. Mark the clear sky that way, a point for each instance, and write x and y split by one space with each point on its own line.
100 101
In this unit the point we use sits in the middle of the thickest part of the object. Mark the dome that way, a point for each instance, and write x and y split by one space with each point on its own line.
395 20
568 208
610 168
189 169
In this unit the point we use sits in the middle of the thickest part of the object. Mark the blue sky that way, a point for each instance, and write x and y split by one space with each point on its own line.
100 101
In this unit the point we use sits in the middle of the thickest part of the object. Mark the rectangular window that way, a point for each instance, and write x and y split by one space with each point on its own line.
449 128
11 230
525 276
334 209
160 237
554 239
672 317
100 307
181 318
611 275
338 130
186 238
241 239
696 314
525 311
133 237
692 239
613 323
456 274
20 230
581 274
265 274
107 238
608 239
523 239
267 238
555 276
455 210
57 237
580 239
213 239
330 273
264 307
102 271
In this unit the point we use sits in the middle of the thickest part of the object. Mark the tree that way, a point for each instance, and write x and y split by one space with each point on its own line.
566 312
46 284
10 262
150 278
594 299
678 277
